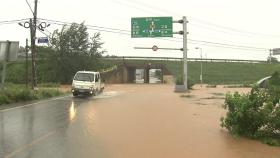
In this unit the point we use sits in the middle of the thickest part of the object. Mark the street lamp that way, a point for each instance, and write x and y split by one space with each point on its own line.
200 65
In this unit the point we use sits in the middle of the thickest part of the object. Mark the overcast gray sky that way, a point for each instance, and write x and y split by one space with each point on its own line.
252 23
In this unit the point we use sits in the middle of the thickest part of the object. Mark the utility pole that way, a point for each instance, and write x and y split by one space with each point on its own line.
185 51
33 26
26 63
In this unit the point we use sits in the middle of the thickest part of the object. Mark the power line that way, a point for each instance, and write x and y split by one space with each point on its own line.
230 29
224 28
227 47
249 35
96 29
44 33
29 7
217 46
127 32
92 26
231 45
12 21
225 44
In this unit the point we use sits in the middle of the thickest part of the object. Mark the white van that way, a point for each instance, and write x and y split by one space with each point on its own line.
87 82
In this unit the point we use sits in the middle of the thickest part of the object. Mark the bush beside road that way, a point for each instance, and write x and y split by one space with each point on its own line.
256 114
18 93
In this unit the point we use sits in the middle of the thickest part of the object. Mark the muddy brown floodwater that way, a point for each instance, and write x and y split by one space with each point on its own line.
151 121
126 121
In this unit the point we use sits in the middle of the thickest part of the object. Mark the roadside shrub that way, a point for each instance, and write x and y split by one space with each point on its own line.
10 94
13 93
190 83
256 114
48 93
244 115
49 84
4 99
274 87
24 95
180 81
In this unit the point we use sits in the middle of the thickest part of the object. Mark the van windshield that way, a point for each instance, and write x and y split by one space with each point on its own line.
84 77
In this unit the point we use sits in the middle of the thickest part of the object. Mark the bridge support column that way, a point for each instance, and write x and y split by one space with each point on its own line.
146 75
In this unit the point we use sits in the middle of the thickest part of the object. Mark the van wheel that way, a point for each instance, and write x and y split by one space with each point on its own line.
94 93
75 94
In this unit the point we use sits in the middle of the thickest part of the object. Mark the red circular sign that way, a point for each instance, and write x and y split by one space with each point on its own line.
154 48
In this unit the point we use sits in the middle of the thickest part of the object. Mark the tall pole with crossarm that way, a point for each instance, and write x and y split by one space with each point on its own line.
33 27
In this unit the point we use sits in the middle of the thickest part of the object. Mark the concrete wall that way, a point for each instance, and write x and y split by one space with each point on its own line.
168 79
116 76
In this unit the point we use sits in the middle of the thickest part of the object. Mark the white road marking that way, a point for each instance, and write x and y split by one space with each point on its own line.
39 102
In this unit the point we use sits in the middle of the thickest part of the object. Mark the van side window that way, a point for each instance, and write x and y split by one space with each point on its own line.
96 78
91 77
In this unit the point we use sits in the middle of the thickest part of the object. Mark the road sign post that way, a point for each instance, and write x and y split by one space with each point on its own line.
161 27
185 51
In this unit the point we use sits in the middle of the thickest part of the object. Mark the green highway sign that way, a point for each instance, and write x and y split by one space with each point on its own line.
151 27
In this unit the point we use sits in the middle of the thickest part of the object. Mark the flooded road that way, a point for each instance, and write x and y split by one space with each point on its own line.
126 121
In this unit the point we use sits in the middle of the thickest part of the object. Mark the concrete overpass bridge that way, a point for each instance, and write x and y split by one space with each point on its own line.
126 73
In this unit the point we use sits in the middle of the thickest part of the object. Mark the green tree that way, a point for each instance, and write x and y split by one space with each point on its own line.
72 50
272 59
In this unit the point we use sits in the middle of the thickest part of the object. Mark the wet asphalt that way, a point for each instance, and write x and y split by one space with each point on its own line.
57 128
126 121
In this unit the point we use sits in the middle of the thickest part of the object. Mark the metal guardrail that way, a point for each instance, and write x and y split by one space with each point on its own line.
174 59
180 59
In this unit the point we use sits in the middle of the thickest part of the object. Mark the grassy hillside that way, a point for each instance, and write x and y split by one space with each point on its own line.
216 72
230 73
213 72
